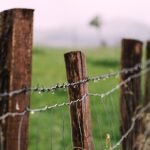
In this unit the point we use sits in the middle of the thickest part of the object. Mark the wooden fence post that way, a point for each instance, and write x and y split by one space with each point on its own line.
80 111
131 92
16 27
147 80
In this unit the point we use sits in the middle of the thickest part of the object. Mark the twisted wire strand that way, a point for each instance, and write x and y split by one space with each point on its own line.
66 85
49 107
120 84
138 115
45 108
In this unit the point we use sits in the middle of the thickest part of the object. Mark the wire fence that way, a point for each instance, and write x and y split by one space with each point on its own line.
74 84
101 95
68 104
16 30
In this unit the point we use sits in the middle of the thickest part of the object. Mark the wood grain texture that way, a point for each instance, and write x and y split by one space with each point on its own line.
147 79
80 111
142 141
16 27
131 92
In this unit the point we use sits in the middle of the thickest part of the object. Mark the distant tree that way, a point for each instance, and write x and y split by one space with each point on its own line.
96 22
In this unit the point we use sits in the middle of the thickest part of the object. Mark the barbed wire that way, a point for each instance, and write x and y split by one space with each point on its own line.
134 119
45 108
74 84
120 84
12 114
102 95
49 107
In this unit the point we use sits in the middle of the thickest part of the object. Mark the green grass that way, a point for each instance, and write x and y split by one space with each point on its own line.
46 128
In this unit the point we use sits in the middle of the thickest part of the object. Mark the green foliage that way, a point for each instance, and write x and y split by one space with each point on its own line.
51 129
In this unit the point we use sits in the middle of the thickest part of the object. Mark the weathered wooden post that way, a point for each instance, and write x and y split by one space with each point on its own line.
80 111
16 26
131 92
147 80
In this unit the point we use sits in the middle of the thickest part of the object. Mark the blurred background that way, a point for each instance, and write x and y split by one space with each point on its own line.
86 23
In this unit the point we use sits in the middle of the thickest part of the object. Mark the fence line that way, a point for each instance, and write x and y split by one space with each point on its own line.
66 85
16 40
102 95
121 84
134 119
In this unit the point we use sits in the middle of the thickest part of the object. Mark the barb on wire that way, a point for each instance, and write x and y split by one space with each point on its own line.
32 111
134 119
47 107
57 105
12 114
120 84
65 85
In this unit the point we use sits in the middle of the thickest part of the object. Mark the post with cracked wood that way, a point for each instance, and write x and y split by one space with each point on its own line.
16 27
79 111
131 92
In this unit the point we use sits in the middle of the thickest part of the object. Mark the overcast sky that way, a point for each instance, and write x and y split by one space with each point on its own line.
64 13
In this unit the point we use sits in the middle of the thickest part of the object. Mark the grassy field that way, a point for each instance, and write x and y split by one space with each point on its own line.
51 130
